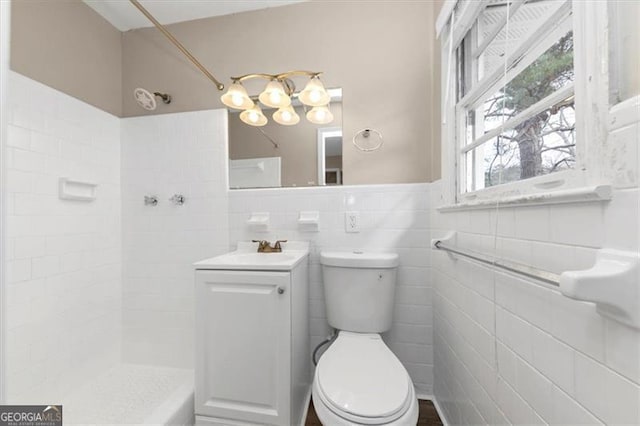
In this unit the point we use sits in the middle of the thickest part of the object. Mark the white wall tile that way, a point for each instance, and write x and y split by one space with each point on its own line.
534 388
18 137
162 156
72 310
611 397
567 410
554 359
18 270
515 333
568 223
394 218
622 350
515 407
621 232
558 361
578 324
532 223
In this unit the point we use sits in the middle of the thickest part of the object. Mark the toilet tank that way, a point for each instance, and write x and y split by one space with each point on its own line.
359 289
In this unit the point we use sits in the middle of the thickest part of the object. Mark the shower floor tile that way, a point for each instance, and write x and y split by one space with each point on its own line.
130 394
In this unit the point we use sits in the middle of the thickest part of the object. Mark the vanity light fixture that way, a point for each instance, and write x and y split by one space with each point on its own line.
314 93
278 94
254 116
286 116
237 97
274 95
320 115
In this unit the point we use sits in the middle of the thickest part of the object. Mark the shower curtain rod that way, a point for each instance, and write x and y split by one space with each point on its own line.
179 45
514 267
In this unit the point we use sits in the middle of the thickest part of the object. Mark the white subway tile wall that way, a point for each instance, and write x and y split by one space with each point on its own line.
163 155
64 257
394 218
511 351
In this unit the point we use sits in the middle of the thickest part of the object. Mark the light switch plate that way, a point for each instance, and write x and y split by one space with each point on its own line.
352 221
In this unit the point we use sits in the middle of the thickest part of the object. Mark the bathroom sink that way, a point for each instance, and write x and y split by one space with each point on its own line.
246 258
258 258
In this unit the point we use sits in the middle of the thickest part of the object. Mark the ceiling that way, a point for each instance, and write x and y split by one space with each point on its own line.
124 16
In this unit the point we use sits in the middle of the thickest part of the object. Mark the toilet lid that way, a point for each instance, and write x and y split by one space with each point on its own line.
359 375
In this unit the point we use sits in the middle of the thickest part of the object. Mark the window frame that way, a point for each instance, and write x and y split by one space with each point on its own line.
589 26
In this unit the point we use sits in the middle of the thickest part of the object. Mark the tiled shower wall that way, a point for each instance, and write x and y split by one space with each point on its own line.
510 351
64 257
163 155
393 218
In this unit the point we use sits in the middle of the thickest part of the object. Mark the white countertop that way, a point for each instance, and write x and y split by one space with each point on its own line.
247 258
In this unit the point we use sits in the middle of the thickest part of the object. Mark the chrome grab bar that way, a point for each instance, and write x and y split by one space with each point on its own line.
514 267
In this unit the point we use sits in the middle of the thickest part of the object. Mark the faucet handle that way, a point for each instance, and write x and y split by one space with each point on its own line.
277 244
150 200
177 199
261 243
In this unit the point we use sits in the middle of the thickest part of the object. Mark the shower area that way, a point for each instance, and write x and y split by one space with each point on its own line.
98 292
99 288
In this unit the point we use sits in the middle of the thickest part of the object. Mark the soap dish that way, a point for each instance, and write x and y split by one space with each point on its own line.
309 220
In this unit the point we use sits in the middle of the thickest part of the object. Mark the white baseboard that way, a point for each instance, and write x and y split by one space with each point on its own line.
425 396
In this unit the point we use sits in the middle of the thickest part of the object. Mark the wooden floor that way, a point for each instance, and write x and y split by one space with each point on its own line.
428 415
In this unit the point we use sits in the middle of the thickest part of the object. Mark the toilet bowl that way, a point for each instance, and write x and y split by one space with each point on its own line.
358 380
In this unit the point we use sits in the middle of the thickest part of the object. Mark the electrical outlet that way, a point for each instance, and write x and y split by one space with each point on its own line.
352 221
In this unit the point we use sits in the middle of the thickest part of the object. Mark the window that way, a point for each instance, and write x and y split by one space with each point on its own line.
515 111
524 97
624 61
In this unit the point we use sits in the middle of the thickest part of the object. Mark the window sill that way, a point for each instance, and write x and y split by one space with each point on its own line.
591 194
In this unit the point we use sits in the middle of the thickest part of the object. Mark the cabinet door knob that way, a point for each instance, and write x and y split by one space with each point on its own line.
280 290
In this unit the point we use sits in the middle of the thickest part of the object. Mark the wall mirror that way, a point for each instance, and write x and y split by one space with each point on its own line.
275 155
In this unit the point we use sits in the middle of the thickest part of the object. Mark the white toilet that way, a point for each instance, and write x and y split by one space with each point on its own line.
358 380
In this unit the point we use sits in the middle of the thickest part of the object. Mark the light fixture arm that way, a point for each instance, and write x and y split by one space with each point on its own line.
288 84
279 77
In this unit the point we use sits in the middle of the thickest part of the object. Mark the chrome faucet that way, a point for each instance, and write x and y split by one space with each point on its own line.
150 200
177 199
264 246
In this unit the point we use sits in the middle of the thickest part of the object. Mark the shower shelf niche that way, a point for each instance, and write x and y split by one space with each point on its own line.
76 190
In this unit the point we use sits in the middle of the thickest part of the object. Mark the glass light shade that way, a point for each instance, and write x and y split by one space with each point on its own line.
237 97
320 115
274 95
254 116
314 93
286 116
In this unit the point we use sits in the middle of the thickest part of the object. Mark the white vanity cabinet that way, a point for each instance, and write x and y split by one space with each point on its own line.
252 345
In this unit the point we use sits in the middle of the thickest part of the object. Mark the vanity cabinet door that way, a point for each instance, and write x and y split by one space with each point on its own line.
243 346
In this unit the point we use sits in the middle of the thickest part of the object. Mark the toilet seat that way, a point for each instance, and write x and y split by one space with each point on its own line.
359 379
